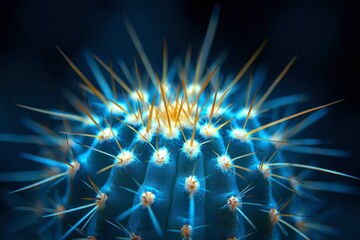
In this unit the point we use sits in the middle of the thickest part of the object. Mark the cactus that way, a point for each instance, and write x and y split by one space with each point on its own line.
183 155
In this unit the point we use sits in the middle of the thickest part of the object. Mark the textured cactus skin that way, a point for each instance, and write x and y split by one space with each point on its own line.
172 203
137 154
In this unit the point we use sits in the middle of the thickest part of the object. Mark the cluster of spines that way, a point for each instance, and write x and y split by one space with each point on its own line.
172 166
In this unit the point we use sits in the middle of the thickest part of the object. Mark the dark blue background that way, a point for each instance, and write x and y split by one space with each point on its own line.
324 34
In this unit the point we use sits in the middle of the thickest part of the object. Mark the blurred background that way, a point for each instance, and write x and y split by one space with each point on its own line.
324 35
